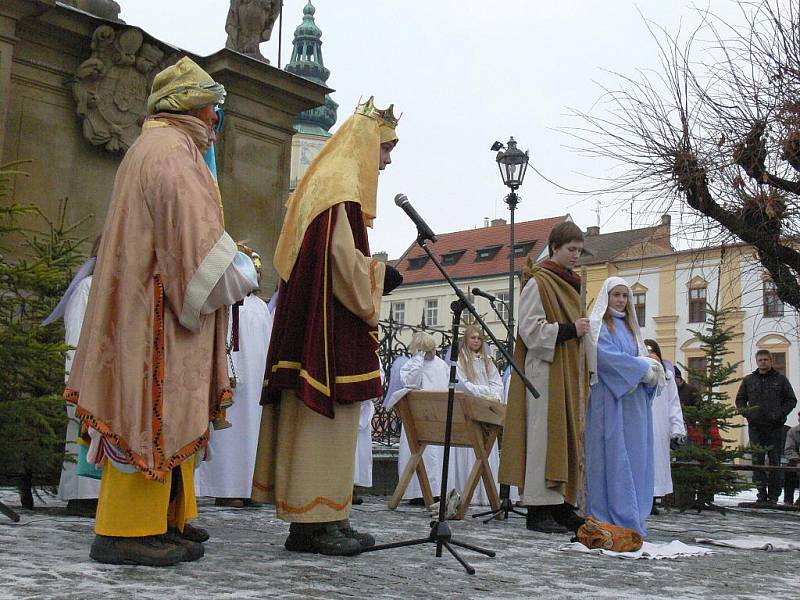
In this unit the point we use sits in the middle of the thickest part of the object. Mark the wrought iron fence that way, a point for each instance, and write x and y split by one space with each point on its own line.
386 423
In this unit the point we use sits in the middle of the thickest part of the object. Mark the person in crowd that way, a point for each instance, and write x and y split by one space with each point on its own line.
791 452
80 492
668 425
228 476
766 397
323 359
477 376
150 371
363 471
543 437
619 422
423 371
687 393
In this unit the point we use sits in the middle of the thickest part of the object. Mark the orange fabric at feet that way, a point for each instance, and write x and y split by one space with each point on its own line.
598 534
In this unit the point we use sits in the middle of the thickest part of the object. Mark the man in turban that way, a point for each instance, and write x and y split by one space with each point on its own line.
323 359
150 369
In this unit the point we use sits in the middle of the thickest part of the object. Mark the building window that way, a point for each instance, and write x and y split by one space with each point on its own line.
399 312
697 368
697 305
640 306
779 362
523 248
773 306
417 263
488 253
501 308
452 258
431 312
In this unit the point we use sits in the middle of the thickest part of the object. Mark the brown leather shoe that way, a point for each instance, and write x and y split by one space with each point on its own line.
229 502
151 551
194 550
194 534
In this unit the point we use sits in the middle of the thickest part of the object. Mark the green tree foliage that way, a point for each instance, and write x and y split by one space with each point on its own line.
710 453
37 258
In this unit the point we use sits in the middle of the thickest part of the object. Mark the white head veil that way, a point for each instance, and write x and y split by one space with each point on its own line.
596 322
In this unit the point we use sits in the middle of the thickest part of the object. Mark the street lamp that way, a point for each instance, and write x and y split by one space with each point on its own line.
513 163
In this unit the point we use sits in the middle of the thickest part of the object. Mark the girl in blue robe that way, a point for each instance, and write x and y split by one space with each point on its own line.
619 422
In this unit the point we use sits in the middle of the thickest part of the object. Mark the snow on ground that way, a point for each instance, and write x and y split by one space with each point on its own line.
45 556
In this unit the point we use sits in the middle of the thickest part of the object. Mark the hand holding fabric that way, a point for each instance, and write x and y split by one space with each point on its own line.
654 373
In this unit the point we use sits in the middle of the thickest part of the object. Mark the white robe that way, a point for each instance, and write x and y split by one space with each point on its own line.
71 486
539 337
667 422
363 472
229 472
487 385
431 375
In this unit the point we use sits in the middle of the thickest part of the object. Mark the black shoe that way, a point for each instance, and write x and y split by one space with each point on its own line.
365 539
357 500
194 550
565 516
194 534
322 538
151 551
547 525
420 501
82 508
654 510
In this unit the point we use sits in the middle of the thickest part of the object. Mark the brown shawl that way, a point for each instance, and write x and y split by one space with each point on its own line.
150 369
563 469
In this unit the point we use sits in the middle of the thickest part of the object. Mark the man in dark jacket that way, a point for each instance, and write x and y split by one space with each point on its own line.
765 398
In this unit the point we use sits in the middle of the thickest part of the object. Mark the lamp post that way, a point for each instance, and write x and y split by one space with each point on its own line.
513 163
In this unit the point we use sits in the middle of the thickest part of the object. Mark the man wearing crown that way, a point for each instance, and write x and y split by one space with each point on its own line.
323 360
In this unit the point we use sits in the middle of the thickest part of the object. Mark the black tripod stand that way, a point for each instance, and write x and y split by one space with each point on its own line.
440 533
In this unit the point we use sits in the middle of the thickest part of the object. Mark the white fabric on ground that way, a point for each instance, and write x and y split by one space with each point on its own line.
71 486
230 472
754 542
648 551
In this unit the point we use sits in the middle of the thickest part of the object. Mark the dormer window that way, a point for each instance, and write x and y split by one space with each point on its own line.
452 258
416 263
487 253
523 248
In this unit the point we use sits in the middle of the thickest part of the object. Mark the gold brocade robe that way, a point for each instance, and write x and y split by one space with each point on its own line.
150 370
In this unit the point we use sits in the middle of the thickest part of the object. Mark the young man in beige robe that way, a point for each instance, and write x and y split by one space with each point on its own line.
150 369
543 438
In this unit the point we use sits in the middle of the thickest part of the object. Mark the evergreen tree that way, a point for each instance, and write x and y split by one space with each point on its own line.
37 258
709 420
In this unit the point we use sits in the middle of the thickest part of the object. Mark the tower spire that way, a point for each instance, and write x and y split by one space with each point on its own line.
307 62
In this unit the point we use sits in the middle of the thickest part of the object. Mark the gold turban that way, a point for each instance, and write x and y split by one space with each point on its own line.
182 87
345 170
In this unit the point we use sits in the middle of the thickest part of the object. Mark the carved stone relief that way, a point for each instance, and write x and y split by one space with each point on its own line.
111 86
249 23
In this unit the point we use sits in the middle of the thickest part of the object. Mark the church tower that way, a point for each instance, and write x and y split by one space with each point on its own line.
312 126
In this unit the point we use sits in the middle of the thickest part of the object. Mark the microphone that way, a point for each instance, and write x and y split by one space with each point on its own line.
423 230
490 297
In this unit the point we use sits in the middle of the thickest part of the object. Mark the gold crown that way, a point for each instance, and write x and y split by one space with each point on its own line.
384 116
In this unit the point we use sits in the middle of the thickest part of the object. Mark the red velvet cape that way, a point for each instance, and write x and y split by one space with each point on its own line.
318 348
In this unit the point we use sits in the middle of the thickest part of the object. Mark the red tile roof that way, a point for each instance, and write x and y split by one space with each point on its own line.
473 240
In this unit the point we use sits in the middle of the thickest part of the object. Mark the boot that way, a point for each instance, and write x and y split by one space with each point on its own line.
151 551
565 516
364 539
320 538
194 534
194 550
229 502
539 518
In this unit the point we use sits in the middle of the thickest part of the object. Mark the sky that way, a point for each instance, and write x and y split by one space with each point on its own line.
464 74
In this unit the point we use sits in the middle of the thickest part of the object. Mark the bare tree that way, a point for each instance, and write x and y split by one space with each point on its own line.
715 129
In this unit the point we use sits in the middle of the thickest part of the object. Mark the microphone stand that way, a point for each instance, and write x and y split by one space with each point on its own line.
440 533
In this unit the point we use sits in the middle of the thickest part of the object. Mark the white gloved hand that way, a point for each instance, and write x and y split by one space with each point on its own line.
654 373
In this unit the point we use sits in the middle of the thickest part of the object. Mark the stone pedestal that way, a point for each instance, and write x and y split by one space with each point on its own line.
42 45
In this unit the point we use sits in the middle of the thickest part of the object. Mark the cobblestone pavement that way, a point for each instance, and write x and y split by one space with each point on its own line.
45 555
